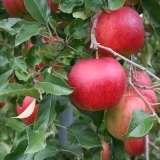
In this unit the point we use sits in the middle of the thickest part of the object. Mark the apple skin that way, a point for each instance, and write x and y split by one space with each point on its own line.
134 147
53 6
144 80
28 45
117 119
121 29
39 66
26 102
99 83
17 9
2 104
105 152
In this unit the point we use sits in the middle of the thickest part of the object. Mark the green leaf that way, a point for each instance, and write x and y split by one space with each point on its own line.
19 89
67 6
4 78
47 51
7 24
77 28
54 85
147 53
117 149
93 4
84 134
46 113
115 4
36 140
82 14
47 152
93 154
15 124
141 123
21 75
18 153
153 8
32 59
18 63
53 23
22 136
39 9
26 32
2 151
97 117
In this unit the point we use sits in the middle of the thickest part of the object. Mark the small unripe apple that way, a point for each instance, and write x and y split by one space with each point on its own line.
134 147
121 30
105 152
26 102
99 83
118 118
2 104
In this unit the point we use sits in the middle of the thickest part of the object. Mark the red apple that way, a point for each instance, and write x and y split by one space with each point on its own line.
134 147
2 104
105 152
39 66
143 79
28 45
117 119
16 8
121 29
99 83
53 6
26 102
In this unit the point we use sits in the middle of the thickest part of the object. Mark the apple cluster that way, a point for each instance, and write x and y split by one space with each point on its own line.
100 83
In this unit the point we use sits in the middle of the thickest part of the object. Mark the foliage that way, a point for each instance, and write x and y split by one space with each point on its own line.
19 78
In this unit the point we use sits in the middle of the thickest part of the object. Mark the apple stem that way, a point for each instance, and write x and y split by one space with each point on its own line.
97 56
147 147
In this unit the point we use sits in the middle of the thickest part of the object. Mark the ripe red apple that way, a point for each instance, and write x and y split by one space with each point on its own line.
121 29
99 83
16 8
134 147
2 104
105 152
26 102
117 119
143 79
53 6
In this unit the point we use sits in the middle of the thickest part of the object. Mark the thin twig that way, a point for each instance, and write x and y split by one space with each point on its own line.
154 146
147 147
148 104
129 61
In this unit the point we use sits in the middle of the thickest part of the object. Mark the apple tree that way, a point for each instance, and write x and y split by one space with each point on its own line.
79 79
